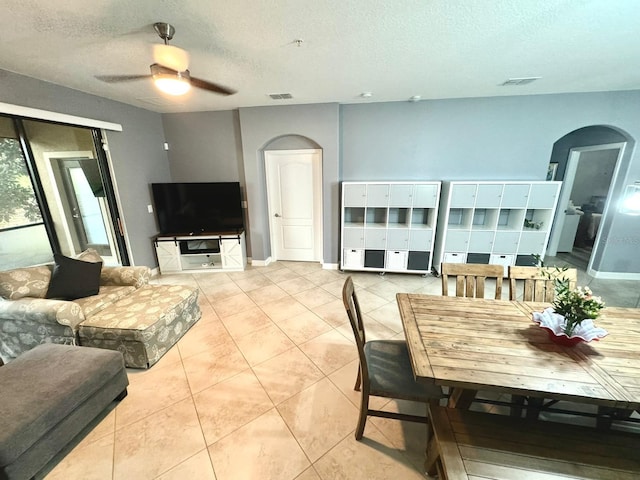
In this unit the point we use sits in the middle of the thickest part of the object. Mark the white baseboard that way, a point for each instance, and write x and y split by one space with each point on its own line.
155 272
330 266
260 263
613 275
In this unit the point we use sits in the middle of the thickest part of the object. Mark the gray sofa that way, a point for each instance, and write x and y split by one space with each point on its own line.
48 396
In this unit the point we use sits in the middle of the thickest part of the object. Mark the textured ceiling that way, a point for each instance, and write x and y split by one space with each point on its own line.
394 49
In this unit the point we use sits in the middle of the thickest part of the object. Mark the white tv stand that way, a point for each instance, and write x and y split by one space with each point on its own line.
218 251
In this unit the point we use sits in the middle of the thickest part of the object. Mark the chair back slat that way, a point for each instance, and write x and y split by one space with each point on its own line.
351 305
538 283
471 278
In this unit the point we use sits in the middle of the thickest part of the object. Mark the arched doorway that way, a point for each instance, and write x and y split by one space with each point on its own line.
589 161
293 176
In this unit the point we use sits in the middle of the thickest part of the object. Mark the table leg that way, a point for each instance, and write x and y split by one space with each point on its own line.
461 398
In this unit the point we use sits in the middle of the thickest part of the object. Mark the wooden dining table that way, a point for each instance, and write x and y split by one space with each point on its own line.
470 344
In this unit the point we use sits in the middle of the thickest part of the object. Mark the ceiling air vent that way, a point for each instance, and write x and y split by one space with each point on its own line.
280 96
519 81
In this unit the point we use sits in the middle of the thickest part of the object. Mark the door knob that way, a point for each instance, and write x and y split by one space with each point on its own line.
277 215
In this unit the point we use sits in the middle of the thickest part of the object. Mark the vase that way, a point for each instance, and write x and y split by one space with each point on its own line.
554 324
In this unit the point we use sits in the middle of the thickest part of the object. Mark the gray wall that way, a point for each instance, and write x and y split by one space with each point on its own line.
501 138
136 153
260 126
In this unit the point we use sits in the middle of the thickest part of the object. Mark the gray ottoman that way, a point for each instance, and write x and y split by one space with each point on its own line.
47 396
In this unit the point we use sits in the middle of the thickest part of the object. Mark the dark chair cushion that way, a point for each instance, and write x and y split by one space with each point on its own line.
390 373
73 278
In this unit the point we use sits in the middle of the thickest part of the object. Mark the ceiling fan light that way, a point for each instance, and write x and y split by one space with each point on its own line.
172 84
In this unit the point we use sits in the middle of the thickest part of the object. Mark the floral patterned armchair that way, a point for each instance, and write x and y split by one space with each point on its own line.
27 318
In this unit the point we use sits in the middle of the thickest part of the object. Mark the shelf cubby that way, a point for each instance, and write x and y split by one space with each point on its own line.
376 217
484 219
510 219
398 217
460 218
354 216
422 218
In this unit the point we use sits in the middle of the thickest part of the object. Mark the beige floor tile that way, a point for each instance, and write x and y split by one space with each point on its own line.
243 323
309 474
334 288
284 308
232 305
151 391
372 458
409 438
212 278
203 336
249 272
215 365
369 301
229 405
156 444
253 282
388 315
172 355
263 344
266 294
304 268
302 328
264 449
410 283
197 467
319 417
386 290
281 275
324 277
104 427
287 374
314 297
296 285
330 351
219 291
365 280
332 312
87 462
345 379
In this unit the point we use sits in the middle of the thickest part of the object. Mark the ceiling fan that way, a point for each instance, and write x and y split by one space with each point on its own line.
170 68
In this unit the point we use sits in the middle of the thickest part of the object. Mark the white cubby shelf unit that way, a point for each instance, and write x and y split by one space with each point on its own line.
506 223
389 226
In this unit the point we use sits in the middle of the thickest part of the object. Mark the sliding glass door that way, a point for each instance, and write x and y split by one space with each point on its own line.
72 199
23 236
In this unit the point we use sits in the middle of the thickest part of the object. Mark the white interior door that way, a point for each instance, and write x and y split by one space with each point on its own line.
294 190
573 164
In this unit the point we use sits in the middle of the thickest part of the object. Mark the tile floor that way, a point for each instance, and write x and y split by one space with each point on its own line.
262 386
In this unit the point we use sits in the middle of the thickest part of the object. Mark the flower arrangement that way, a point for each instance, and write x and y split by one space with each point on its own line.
575 305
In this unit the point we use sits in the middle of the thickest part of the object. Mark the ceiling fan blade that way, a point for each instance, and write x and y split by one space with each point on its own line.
120 78
212 87
171 57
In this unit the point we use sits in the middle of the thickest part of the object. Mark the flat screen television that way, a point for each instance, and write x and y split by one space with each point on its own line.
195 208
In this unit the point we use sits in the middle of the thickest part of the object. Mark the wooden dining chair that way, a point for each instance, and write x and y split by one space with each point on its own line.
385 369
537 286
471 278
538 282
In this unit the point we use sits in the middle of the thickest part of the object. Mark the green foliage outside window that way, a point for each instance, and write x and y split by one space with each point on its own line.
18 204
